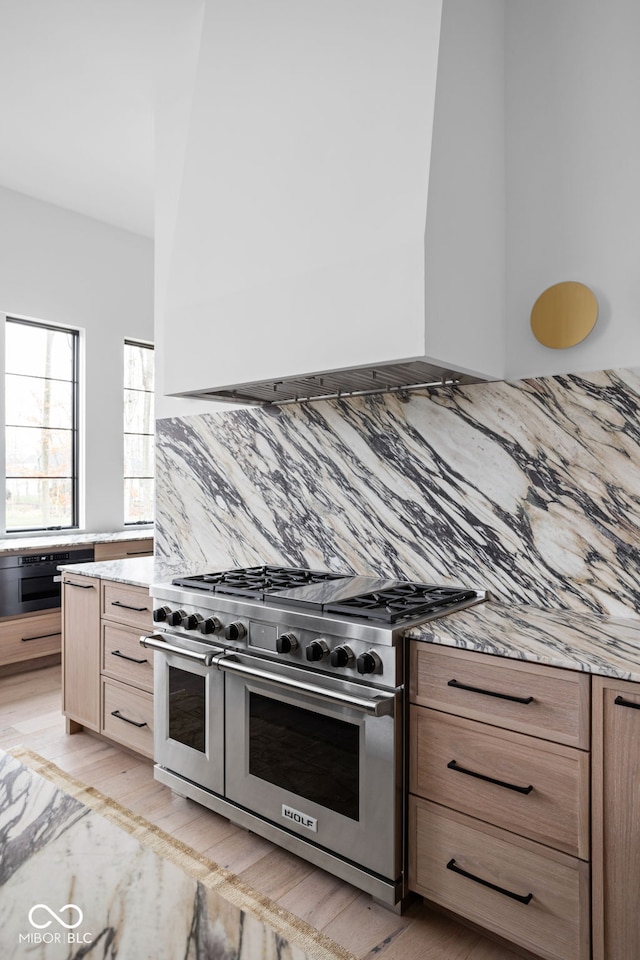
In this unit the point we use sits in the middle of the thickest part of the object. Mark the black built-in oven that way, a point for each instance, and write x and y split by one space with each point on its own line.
31 581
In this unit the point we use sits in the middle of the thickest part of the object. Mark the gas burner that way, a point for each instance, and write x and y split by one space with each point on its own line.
256 582
400 602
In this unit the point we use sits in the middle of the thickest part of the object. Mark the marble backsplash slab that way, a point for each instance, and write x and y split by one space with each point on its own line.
529 489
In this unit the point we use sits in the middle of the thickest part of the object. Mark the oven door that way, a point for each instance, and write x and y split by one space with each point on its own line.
188 713
317 760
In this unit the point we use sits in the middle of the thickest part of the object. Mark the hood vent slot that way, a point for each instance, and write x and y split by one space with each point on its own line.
363 381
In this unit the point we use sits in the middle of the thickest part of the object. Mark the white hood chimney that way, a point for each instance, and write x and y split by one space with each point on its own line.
298 243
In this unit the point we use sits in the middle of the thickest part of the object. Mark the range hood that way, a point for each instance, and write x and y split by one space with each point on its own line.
399 378
333 215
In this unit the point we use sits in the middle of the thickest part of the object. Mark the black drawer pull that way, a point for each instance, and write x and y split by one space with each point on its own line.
116 713
452 765
125 606
621 702
452 865
43 636
138 553
123 656
489 693
83 586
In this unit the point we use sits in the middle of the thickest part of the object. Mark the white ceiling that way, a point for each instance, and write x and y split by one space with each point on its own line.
76 105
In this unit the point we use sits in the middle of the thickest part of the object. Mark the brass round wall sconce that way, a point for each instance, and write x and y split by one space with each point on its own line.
564 314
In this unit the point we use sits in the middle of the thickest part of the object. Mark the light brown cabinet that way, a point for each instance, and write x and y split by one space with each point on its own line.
107 675
30 637
529 698
499 796
523 891
34 636
120 549
616 819
126 667
81 651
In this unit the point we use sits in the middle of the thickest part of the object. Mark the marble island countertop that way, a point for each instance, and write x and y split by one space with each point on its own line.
591 643
65 538
137 571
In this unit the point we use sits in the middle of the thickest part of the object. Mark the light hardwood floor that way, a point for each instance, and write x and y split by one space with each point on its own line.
30 716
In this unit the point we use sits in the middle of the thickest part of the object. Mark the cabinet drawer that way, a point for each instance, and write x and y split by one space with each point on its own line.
542 788
542 701
123 658
119 549
553 924
127 716
28 637
126 604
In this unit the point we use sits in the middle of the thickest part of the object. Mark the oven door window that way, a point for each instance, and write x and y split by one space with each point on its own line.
187 708
306 753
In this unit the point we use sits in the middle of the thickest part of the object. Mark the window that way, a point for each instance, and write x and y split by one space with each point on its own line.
41 425
139 425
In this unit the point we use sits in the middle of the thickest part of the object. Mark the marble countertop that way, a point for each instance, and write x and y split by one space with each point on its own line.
591 643
53 541
137 571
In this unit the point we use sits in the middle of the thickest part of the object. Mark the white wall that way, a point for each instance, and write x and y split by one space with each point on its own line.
573 183
59 266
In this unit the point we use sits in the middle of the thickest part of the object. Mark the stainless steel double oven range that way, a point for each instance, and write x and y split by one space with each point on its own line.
279 704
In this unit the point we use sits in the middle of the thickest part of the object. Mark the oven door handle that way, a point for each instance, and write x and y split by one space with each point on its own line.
155 642
378 706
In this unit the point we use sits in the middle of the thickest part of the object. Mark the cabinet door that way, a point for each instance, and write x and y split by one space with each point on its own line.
523 891
81 650
127 604
120 549
616 819
530 698
27 638
523 784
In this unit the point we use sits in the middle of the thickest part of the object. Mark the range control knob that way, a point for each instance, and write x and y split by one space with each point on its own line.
287 643
192 621
161 614
210 625
175 618
235 631
368 662
317 650
342 656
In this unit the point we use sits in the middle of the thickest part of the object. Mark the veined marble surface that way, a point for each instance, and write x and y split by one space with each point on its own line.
609 646
72 884
138 571
61 540
529 489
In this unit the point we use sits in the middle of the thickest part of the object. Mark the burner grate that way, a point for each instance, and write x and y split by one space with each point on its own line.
255 582
400 603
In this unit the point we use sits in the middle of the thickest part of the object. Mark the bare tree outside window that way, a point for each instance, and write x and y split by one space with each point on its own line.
139 433
41 386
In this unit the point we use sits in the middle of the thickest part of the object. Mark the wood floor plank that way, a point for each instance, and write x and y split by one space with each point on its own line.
176 815
239 850
319 898
276 873
431 935
204 832
366 927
